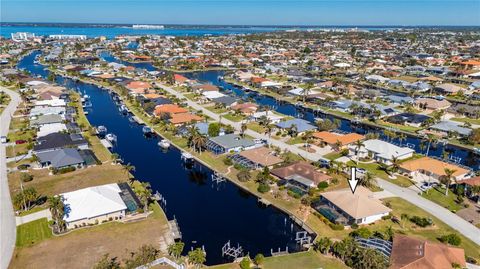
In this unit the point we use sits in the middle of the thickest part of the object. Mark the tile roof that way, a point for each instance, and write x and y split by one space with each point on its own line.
332 138
303 169
431 165
262 156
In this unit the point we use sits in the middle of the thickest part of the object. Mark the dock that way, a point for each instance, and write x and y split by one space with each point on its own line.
138 120
175 229
106 143
264 201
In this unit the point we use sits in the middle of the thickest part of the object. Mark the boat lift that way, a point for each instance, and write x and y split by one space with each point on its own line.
234 252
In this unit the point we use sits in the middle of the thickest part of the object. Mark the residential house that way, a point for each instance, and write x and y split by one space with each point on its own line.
60 158
301 126
447 127
431 104
409 252
381 151
410 119
257 158
229 143
344 207
301 174
58 141
426 168
337 140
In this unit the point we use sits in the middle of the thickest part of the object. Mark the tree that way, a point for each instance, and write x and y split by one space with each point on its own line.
323 245
26 177
144 192
447 178
243 128
213 129
367 180
57 208
244 175
176 249
197 257
245 263
451 239
259 259
395 164
358 146
114 157
129 168
107 263
144 255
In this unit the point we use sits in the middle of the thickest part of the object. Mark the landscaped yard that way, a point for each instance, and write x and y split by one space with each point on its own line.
472 121
373 168
437 195
234 117
31 233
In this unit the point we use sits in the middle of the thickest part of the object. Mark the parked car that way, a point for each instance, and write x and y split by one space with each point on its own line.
3 139
427 185
20 141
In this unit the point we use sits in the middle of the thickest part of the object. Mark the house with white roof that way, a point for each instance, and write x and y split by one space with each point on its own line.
93 205
272 117
381 151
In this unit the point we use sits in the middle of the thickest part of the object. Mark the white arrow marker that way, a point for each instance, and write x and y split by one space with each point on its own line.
353 179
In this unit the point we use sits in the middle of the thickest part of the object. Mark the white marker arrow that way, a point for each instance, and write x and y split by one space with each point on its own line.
353 182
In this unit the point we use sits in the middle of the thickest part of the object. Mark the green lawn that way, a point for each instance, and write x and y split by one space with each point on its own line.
304 260
29 234
234 117
437 195
373 168
405 128
333 155
256 127
31 211
295 140
472 121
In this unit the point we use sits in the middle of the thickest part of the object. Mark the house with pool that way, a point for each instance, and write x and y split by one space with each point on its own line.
380 151
98 204
346 208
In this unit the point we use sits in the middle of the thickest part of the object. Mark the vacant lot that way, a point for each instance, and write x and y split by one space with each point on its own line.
82 248
54 184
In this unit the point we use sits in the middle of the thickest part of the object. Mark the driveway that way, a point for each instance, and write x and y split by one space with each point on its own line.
452 220
7 217
34 216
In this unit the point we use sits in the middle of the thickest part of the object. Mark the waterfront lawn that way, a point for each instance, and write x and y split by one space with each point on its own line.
437 195
304 260
82 248
31 233
373 168
405 128
46 184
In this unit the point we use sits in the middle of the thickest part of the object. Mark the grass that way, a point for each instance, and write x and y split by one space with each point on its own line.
31 211
333 155
31 233
18 123
472 121
21 135
437 195
304 260
234 117
405 128
373 168
296 140
254 126
16 150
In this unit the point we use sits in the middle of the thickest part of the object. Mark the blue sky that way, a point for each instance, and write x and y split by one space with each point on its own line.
259 12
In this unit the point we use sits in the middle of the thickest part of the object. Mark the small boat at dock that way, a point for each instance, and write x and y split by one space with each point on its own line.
186 157
146 130
165 144
111 138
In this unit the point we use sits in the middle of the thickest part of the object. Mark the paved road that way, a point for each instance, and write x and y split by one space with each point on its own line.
237 125
7 217
454 221
34 216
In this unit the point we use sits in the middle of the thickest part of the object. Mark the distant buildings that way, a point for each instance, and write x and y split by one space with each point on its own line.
22 36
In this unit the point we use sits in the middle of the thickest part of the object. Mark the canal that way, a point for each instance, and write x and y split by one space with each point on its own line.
456 154
209 214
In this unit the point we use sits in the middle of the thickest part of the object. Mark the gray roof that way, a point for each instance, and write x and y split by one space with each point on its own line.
232 141
46 119
447 126
302 125
61 157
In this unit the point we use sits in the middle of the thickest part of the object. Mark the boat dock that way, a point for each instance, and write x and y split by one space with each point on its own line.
106 143
264 201
175 229
138 120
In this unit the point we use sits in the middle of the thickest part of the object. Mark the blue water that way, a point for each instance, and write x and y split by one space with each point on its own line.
466 157
111 32
208 214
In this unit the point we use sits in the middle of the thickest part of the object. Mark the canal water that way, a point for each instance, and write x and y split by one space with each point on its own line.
456 154
209 214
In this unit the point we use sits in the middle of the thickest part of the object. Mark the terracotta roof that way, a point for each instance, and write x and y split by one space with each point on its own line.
412 253
258 79
433 103
302 169
138 85
170 109
206 87
332 138
262 156
180 118
474 181
471 62
362 204
179 78
434 166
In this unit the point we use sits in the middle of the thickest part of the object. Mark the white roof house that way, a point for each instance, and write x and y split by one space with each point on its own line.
93 203
212 94
51 128
52 103
381 151
274 118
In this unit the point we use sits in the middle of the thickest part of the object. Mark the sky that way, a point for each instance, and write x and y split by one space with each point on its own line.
246 12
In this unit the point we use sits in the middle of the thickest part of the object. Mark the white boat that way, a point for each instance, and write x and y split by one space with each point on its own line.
101 130
111 138
164 144
146 130
187 156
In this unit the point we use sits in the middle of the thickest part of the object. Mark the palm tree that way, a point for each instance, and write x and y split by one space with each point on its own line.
395 164
243 128
115 157
402 137
358 146
144 192
129 168
57 208
447 178
197 257
198 142
268 130
430 139
367 180
244 175
323 245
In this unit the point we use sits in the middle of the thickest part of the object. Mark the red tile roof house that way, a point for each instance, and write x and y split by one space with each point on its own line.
301 174
138 87
468 185
412 253
180 80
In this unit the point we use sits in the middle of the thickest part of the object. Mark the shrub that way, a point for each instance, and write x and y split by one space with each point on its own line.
471 260
422 222
227 161
323 185
354 226
245 263
63 170
451 239
336 227
263 188
26 177
362 232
